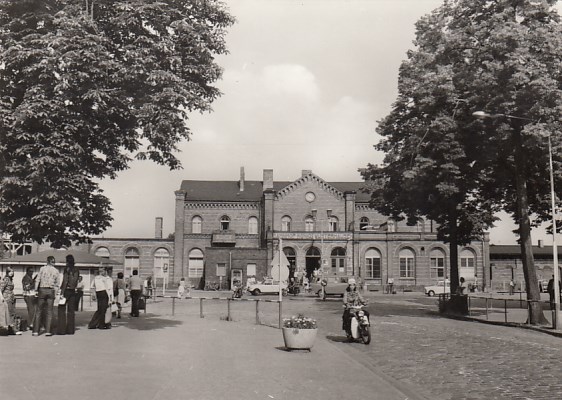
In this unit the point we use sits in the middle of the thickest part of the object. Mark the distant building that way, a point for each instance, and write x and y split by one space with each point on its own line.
506 263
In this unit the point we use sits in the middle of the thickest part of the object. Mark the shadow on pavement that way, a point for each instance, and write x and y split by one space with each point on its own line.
337 339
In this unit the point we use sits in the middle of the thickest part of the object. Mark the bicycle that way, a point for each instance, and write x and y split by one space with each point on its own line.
211 286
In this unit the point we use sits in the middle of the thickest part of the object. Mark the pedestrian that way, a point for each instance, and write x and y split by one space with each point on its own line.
47 285
119 287
390 282
511 286
135 286
79 291
462 287
550 290
102 293
67 306
7 290
29 294
181 288
148 287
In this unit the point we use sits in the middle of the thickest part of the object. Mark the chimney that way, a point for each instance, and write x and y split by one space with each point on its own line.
158 230
541 244
242 179
267 179
306 172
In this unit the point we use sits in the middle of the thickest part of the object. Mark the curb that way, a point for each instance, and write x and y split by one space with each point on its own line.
508 324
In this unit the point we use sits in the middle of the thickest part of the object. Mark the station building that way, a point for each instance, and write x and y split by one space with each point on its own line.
232 229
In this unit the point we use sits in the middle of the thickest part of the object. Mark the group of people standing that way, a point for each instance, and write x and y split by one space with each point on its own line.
40 292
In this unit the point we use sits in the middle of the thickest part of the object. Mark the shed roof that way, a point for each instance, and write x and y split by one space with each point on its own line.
81 258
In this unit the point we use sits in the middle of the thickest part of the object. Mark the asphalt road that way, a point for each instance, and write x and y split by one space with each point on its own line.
439 358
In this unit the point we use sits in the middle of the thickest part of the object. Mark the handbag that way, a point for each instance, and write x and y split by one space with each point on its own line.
114 308
62 301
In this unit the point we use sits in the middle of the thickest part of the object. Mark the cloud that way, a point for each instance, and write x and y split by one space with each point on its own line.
295 81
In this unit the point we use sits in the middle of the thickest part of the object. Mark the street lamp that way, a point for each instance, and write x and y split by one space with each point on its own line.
556 315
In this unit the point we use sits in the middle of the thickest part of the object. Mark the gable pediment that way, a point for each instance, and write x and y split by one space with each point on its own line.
306 180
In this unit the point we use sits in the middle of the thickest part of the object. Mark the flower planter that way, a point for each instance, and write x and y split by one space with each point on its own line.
299 339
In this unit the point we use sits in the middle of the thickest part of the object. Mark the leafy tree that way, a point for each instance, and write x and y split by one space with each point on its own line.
87 86
499 56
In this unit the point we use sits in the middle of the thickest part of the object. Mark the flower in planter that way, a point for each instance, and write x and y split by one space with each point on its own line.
299 322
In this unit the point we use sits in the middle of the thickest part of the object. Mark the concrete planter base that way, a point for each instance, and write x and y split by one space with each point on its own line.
299 339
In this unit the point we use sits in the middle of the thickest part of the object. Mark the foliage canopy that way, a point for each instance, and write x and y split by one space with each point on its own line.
86 87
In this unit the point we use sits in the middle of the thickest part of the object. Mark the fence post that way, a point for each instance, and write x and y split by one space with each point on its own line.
201 308
173 305
257 312
228 309
505 309
280 314
520 299
528 312
468 306
487 309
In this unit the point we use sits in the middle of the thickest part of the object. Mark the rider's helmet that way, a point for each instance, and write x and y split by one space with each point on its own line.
351 281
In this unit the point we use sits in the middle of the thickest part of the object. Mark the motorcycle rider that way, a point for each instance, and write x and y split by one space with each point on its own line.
351 297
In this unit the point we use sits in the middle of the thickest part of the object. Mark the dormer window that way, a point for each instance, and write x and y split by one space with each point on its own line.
225 223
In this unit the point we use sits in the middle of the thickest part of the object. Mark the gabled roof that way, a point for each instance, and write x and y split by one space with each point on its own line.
253 190
81 258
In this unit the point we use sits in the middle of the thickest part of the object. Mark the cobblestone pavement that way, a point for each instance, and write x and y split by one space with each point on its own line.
441 358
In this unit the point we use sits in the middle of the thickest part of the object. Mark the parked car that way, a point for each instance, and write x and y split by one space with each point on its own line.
268 286
438 289
334 286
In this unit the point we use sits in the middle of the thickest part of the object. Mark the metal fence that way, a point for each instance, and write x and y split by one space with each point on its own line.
510 310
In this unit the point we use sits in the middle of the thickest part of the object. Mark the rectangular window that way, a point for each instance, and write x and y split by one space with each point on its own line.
373 266
467 262
251 270
437 267
221 269
196 268
406 267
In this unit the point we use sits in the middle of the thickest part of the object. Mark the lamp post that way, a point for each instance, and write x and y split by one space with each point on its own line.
556 314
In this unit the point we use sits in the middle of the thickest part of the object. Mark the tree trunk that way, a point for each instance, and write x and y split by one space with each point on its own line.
536 315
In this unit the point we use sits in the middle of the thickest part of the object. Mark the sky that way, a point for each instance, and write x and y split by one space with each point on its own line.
304 85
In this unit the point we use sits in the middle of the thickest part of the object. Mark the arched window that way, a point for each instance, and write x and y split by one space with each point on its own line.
437 264
132 260
407 263
467 259
196 224
161 261
338 260
363 223
102 252
333 224
373 264
467 265
196 263
309 224
225 223
286 224
313 252
253 226
291 257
